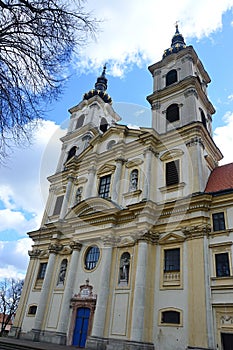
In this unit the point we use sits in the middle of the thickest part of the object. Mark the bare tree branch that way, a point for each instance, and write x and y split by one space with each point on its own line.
37 39
10 292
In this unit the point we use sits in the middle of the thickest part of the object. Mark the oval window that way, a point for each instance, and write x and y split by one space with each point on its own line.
91 257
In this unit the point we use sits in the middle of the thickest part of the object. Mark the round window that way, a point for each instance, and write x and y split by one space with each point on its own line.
91 257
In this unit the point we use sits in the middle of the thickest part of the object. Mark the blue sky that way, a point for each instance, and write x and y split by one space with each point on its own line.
133 35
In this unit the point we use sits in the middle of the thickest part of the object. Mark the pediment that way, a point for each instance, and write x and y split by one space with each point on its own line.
171 154
106 168
92 206
134 162
171 238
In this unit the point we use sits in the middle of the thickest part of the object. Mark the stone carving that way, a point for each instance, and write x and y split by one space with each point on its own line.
62 273
226 320
124 269
133 180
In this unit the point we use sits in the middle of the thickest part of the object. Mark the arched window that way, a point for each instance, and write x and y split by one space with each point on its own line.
172 113
62 272
80 121
103 125
171 77
71 153
124 269
203 119
133 186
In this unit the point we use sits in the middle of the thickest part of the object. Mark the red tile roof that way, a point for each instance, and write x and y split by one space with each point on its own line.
220 179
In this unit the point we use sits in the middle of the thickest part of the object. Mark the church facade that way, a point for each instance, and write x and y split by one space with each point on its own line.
135 246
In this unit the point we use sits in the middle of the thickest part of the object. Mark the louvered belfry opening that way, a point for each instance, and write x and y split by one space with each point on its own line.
172 173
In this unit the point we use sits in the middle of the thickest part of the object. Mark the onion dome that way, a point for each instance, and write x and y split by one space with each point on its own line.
100 88
177 44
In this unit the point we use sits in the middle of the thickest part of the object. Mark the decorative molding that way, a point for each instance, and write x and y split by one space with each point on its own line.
55 248
120 160
171 154
75 245
171 238
106 168
190 92
134 162
157 72
148 236
195 141
111 240
80 180
187 58
152 150
156 105
34 253
196 231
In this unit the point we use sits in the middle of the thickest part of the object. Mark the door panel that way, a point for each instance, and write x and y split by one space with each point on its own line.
81 327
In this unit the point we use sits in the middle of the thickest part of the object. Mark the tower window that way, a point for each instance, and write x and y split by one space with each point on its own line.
172 173
172 113
92 257
222 264
203 119
71 153
172 260
104 186
171 77
80 121
170 316
218 222
58 205
103 125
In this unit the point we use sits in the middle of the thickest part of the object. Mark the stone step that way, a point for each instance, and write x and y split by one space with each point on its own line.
18 344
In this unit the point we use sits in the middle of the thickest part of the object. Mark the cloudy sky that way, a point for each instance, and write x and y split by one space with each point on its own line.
133 34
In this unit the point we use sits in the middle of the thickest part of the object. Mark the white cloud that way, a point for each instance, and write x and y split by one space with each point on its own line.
14 258
20 184
132 31
223 137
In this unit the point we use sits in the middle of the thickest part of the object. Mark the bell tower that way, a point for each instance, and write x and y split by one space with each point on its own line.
182 112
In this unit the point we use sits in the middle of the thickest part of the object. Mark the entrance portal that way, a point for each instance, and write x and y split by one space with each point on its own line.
81 327
227 341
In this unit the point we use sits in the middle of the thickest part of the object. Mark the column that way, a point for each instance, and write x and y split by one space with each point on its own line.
102 297
72 271
139 294
90 184
54 248
67 197
117 179
147 173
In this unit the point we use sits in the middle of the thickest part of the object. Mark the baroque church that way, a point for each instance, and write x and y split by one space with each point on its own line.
135 246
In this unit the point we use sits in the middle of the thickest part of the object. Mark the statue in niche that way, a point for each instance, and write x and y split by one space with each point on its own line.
62 273
124 269
133 186
78 196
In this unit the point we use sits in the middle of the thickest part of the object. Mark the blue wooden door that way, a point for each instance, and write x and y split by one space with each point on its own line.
81 327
